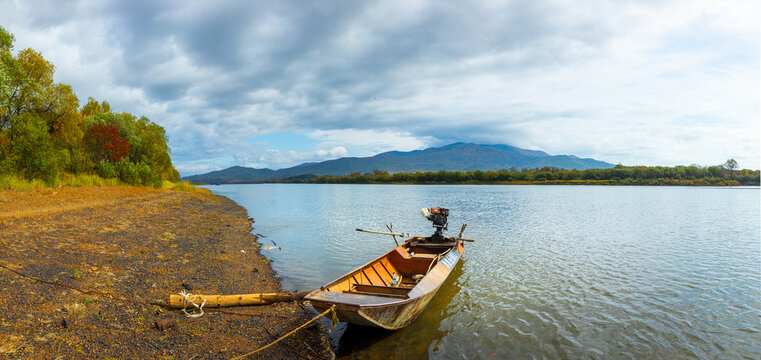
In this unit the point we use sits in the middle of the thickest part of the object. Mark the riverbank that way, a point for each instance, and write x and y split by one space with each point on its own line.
141 244
656 182
618 175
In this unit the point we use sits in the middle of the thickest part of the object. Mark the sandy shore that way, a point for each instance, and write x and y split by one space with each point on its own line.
141 244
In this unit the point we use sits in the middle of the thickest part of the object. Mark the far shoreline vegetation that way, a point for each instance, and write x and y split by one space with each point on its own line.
692 175
47 139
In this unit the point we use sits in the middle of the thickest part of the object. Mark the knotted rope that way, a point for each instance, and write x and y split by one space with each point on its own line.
187 301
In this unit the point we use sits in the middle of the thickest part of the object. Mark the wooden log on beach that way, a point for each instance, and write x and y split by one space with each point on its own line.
214 301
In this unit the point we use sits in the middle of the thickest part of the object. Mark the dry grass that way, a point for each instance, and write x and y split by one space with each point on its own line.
14 182
187 186
48 201
9 344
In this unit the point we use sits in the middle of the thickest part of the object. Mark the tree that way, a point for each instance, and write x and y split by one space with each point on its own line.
731 164
152 149
6 45
43 131
8 67
27 88
29 150
94 108
104 142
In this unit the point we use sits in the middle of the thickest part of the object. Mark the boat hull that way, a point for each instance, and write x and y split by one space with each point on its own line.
387 312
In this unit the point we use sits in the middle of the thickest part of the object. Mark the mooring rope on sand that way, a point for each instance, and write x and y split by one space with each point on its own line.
187 300
186 295
333 317
106 295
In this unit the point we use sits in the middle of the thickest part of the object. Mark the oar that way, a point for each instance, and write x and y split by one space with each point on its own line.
384 233
403 235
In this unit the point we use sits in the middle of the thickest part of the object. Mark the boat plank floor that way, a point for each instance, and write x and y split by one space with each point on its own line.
398 296
353 299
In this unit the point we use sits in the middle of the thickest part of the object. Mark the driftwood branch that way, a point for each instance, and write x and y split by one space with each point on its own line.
214 301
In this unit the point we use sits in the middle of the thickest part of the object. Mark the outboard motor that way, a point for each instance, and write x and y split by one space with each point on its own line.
438 216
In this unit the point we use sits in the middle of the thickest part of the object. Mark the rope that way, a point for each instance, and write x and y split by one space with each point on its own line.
186 299
439 256
114 297
333 317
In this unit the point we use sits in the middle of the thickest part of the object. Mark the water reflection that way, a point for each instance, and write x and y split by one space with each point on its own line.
416 340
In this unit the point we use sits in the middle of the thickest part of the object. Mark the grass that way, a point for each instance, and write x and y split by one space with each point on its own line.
79 180
10 343
186 186
13 182
16 183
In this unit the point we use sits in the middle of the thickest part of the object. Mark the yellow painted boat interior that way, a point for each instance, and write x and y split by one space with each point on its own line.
408 264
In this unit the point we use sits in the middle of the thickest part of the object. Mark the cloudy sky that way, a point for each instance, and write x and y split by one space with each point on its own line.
277 83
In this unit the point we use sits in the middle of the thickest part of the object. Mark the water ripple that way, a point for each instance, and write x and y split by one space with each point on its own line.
557 272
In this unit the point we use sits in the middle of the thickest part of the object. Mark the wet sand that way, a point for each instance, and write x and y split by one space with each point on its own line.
139 244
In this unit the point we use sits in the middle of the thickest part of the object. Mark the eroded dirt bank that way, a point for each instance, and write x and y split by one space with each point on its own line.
141 244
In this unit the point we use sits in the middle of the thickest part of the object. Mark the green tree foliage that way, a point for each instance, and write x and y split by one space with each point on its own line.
152 149
94 108
29 151
44 133
619 175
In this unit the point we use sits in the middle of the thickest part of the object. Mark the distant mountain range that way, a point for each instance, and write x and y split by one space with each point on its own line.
453 157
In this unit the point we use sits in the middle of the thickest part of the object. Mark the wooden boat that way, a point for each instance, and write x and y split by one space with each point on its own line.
391 291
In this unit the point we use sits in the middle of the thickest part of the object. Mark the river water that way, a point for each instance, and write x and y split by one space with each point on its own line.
556 271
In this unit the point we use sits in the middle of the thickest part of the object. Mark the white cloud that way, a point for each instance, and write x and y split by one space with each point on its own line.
662 83
260 159
370 142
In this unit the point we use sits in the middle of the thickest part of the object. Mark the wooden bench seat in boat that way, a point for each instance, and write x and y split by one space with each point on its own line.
390 291
405 263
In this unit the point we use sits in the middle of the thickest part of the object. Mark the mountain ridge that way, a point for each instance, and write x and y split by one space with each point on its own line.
458 156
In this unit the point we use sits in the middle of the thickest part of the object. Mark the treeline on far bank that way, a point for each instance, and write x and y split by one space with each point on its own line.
45 135
618 175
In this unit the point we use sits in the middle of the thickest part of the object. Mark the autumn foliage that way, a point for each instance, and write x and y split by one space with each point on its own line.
44 133
104 141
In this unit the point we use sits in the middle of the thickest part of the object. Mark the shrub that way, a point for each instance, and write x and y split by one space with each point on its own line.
106 143
106 169
30 152
127 172
79 161
148 176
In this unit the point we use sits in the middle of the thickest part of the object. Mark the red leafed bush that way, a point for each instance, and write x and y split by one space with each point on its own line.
104 141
